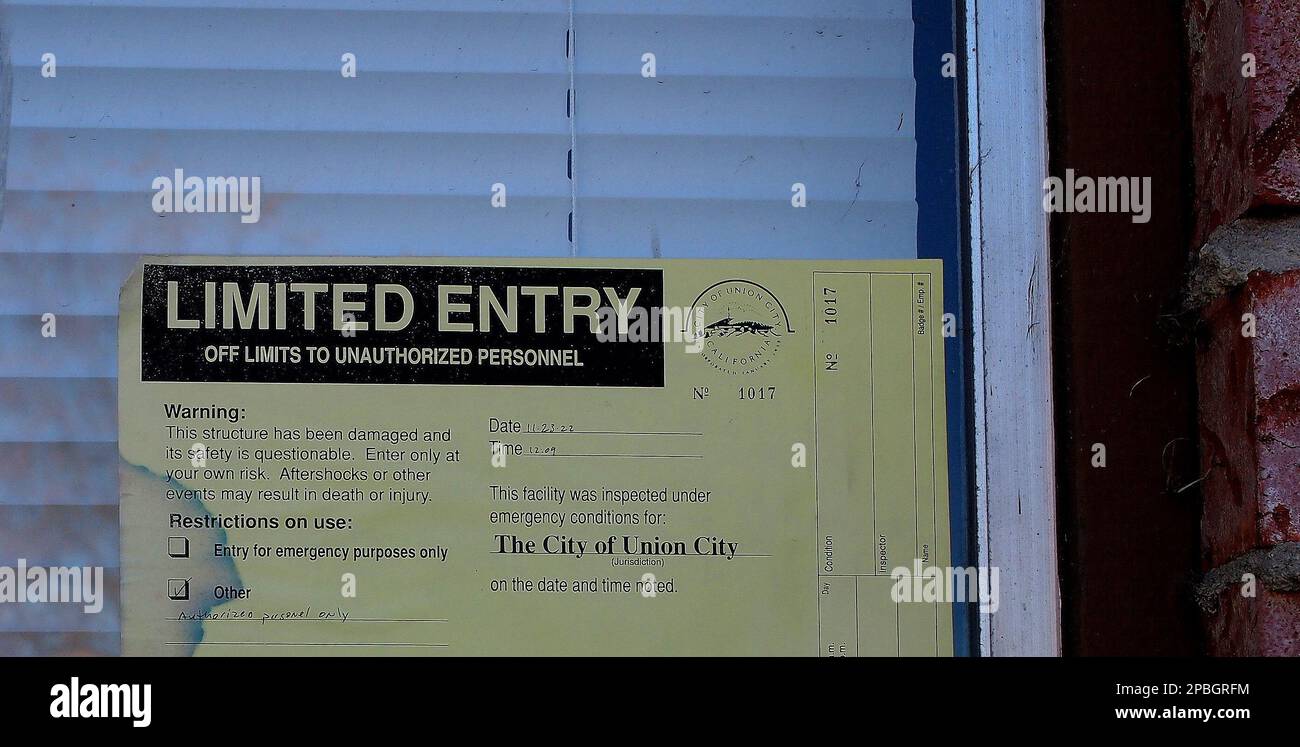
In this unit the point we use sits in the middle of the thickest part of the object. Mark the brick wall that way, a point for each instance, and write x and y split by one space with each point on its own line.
1271 33
1245 288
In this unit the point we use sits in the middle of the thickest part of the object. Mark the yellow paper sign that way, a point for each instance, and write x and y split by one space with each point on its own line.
559 457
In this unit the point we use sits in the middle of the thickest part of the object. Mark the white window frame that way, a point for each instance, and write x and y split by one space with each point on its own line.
1015 501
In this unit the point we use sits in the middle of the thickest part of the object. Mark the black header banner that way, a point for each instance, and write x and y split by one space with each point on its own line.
400 324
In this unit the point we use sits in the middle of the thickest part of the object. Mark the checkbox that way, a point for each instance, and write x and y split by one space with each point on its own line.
178 547
178 589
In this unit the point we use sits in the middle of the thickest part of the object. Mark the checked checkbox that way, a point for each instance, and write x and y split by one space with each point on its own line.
178 589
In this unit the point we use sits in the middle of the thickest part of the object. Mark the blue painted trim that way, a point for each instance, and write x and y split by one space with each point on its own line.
940 185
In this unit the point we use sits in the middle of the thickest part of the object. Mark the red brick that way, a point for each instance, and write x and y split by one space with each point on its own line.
1271 27
1246 130
1275 99
1265 625
1221 114
1249 391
